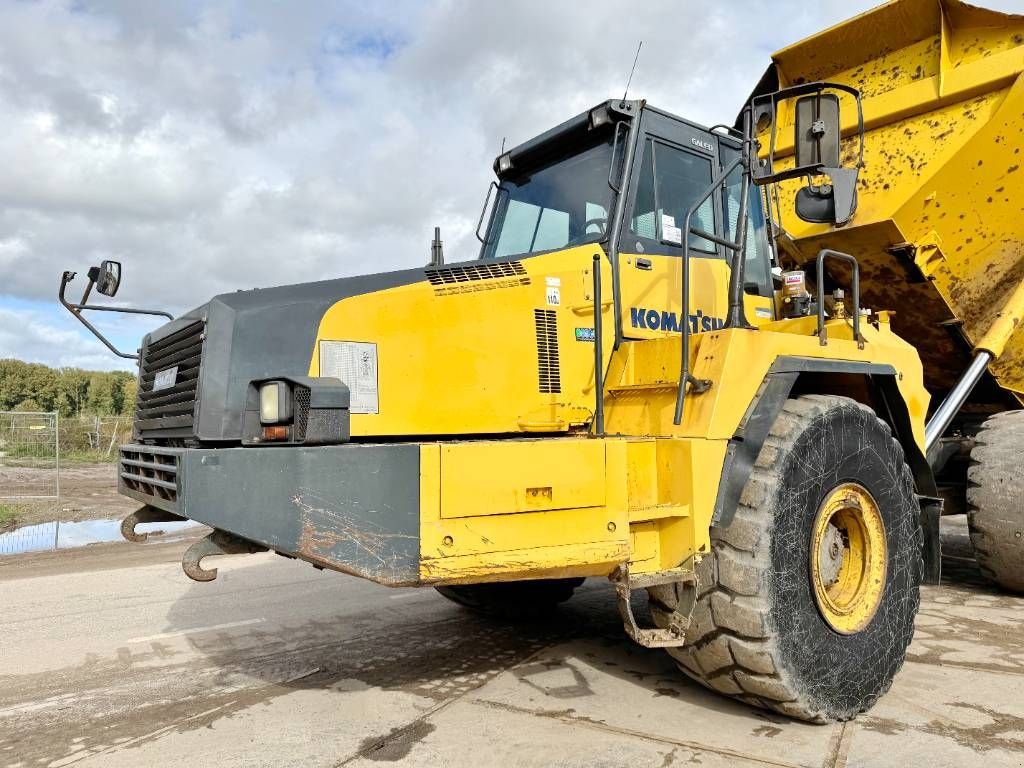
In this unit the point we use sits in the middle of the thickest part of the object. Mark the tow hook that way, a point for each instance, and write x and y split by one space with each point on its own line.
216 543
146 514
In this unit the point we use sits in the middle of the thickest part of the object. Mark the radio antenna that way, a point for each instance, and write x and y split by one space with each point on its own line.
631 71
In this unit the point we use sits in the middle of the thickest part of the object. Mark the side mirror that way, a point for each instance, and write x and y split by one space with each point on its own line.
816 149
107 277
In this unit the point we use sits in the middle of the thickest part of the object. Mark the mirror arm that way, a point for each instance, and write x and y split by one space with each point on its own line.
76 310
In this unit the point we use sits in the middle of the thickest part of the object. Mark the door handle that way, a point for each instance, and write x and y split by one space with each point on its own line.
643 264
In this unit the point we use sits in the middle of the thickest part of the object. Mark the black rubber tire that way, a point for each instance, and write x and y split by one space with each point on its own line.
512 599
995 499
756 631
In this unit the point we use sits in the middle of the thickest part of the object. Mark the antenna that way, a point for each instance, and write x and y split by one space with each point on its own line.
635 59
502 146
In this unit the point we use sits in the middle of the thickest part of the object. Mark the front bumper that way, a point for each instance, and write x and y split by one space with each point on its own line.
351 508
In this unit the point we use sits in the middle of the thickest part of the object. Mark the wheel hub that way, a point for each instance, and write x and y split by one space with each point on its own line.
848 558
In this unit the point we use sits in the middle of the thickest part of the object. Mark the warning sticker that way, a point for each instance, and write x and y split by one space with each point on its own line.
355 363
670 233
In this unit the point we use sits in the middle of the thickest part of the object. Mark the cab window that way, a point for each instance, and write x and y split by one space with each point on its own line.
757 270
670 181
556 205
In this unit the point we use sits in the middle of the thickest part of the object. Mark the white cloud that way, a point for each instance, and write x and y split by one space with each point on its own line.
28 335
226 145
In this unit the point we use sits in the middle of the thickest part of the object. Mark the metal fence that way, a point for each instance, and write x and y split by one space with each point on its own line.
106 433
29 480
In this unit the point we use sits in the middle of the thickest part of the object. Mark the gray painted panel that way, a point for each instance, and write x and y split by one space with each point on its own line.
352 508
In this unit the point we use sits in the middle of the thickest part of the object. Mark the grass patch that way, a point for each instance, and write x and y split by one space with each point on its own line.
9 516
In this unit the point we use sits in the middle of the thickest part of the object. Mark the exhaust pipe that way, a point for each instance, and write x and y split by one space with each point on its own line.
949 408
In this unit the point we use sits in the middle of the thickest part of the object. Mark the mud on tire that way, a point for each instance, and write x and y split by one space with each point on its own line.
995 499
757 633
512 599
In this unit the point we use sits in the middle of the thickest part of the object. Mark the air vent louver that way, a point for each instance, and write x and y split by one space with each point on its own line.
548 376
171 407
484 270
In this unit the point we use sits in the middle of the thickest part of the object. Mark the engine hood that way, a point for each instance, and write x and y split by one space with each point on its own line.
261 333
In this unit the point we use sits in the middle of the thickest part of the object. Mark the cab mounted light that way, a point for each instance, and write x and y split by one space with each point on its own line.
600 116
505 163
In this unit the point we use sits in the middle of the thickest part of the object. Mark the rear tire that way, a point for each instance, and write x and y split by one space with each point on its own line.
512 600
995 499
761 630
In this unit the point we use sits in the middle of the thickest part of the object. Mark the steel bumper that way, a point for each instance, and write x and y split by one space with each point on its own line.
352 508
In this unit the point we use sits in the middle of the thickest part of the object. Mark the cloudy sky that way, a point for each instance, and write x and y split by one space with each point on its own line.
213 146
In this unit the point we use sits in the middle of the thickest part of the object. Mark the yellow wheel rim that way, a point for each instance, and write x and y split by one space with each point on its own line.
848 558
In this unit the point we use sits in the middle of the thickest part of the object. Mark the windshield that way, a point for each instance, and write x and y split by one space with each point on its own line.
560 204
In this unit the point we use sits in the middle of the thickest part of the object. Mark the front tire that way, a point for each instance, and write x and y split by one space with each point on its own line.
806 603
512 600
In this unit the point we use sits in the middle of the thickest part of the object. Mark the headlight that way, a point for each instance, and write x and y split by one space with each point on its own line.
275 403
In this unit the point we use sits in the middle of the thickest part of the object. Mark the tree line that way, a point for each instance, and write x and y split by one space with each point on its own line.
69 391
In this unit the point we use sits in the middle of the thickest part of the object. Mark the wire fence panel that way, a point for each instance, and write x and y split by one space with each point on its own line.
29 480
30 456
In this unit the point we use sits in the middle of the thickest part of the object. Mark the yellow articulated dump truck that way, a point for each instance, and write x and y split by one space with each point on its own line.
743 369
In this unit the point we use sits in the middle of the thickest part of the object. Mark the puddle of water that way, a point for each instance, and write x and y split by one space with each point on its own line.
36 538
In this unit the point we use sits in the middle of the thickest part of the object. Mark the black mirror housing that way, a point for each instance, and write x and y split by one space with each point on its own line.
107 277
816 149
817 130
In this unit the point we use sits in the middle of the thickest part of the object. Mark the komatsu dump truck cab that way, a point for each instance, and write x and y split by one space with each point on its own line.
623 384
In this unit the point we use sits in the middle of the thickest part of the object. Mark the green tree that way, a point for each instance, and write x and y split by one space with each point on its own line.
74 392
70 391
129 391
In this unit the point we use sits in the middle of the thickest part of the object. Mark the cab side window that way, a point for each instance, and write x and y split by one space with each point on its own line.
757 270
670 181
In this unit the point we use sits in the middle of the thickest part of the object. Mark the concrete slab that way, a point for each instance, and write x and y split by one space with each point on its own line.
938 715
308 727
475 734
275 664
635 690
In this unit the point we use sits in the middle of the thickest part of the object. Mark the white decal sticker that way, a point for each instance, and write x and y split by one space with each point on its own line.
165 379
355 363
554 296
553 280
763 312
670 233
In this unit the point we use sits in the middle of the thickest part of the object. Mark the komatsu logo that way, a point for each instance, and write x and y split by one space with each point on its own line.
655 320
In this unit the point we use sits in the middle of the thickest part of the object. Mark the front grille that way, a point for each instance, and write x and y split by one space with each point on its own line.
170 410
485 270
151 472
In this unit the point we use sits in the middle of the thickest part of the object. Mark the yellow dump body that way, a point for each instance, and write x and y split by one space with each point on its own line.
943 98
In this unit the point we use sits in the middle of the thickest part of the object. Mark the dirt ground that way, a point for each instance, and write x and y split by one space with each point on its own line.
87 492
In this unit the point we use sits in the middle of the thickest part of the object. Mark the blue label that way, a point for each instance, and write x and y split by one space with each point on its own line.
585 334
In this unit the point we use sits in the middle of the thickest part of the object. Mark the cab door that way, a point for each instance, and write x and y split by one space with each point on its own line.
675 163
